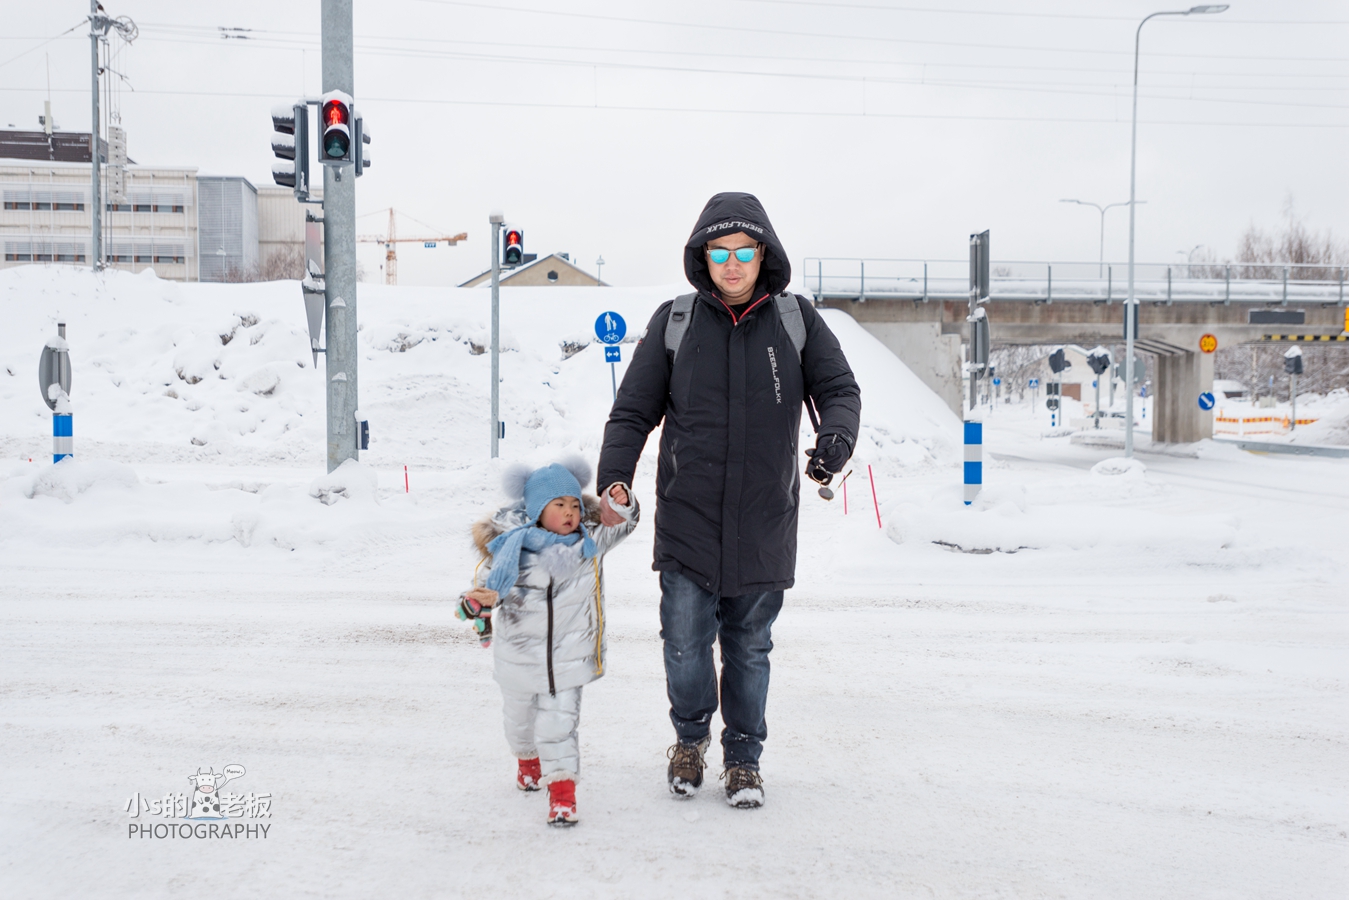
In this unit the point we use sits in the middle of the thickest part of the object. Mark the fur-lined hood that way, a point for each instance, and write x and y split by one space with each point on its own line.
486 529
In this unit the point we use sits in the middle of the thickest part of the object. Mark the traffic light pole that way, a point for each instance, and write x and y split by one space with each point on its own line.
339 247
496 219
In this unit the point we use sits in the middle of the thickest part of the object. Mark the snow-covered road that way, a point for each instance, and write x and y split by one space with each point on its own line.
1135 685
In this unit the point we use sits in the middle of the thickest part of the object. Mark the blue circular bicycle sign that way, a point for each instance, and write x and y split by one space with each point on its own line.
610 328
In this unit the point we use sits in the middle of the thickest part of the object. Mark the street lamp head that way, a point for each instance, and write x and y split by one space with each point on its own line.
1208 8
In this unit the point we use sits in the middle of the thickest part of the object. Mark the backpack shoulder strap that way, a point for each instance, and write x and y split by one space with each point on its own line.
789 311
681 312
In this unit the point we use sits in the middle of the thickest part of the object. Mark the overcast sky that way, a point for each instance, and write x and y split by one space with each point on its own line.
872 128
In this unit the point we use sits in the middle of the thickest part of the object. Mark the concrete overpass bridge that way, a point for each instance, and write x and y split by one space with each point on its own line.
918 309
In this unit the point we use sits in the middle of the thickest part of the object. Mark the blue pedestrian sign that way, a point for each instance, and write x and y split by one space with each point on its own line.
610 328
611 355
1206 401
1035 382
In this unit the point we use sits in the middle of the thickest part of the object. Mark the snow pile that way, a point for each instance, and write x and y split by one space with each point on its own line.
351 480
71 477
167 375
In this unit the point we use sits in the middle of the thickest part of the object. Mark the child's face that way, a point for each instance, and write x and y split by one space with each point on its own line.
562 515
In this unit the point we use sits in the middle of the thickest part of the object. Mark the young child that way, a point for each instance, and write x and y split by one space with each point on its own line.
545 590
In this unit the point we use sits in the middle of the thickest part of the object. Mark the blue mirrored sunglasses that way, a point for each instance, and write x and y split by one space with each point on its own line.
744 254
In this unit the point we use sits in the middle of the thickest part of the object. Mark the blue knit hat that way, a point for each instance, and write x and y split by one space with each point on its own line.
545 485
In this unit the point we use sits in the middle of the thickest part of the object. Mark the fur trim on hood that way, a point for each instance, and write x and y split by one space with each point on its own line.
488 527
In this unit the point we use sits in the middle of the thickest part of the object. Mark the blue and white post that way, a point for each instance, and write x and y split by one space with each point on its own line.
54 380
974 457
63 429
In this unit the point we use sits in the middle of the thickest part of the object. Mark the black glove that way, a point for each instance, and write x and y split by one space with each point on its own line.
827 457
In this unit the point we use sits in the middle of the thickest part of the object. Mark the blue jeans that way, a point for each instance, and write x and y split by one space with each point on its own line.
690 619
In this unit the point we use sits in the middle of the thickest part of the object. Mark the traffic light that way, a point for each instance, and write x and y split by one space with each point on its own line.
1292 361
335 129
362 138
513 250
291 145
1056 361
1099 360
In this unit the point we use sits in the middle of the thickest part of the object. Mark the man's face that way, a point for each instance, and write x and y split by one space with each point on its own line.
735 279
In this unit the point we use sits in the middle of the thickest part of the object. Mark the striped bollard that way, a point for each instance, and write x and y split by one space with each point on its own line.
974 458
63 435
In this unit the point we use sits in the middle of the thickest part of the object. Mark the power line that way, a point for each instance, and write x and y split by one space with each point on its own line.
742 112
1042 87
44 43
849 37
310 41
832 4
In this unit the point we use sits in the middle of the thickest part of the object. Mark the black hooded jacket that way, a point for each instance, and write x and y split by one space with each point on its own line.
728 478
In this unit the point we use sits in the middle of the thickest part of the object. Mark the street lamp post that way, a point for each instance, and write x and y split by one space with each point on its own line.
1131 305
1101 273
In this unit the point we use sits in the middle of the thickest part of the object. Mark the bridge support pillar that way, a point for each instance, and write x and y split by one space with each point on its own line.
1176 416
934 357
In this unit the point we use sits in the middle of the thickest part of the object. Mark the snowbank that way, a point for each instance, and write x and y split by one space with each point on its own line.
168 374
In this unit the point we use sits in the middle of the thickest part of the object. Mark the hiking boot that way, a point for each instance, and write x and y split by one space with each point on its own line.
686 767
744 787
528 775
562 803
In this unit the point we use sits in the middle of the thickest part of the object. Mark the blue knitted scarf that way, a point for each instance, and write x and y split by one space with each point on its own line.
505 549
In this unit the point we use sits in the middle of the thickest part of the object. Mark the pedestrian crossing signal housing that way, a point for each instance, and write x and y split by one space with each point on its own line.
513 250
290 143
335 126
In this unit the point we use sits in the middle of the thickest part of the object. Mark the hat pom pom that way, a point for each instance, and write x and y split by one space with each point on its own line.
579 469
513 480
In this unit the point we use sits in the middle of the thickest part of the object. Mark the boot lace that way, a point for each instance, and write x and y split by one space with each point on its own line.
687 759
739 778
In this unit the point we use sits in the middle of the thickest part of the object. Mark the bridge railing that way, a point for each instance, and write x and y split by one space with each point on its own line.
846 278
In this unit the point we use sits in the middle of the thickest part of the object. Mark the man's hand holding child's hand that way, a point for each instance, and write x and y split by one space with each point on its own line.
607 515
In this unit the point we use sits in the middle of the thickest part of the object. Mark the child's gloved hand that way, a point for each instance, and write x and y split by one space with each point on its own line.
484 596
476 606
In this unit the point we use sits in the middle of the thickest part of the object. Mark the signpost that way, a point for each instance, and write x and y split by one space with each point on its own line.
53 378
610 329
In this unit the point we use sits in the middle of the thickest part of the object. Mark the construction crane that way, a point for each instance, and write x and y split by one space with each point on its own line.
392 240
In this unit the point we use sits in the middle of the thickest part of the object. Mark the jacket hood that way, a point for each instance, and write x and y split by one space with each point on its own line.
726 214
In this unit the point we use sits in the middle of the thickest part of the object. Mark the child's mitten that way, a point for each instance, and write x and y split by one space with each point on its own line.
471 610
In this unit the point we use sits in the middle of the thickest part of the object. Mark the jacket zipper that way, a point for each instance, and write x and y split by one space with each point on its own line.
552 689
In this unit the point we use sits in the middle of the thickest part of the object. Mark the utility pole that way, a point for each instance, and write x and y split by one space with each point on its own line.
98 26
496 219
339 248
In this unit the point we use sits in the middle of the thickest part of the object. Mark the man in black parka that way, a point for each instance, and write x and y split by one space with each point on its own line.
727 483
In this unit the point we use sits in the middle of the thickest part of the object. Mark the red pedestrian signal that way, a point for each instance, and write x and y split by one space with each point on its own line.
513 252
335 119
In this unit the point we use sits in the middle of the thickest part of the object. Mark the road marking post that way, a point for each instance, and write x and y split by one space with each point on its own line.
974 459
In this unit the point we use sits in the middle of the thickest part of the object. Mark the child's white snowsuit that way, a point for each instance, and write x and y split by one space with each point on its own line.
548 635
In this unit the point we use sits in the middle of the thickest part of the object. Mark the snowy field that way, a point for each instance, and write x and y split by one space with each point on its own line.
1102 680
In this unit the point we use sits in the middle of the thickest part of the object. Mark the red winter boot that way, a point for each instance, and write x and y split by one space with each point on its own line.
562 803
527 778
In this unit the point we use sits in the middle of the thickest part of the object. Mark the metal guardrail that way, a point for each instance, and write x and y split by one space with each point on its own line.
922 281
